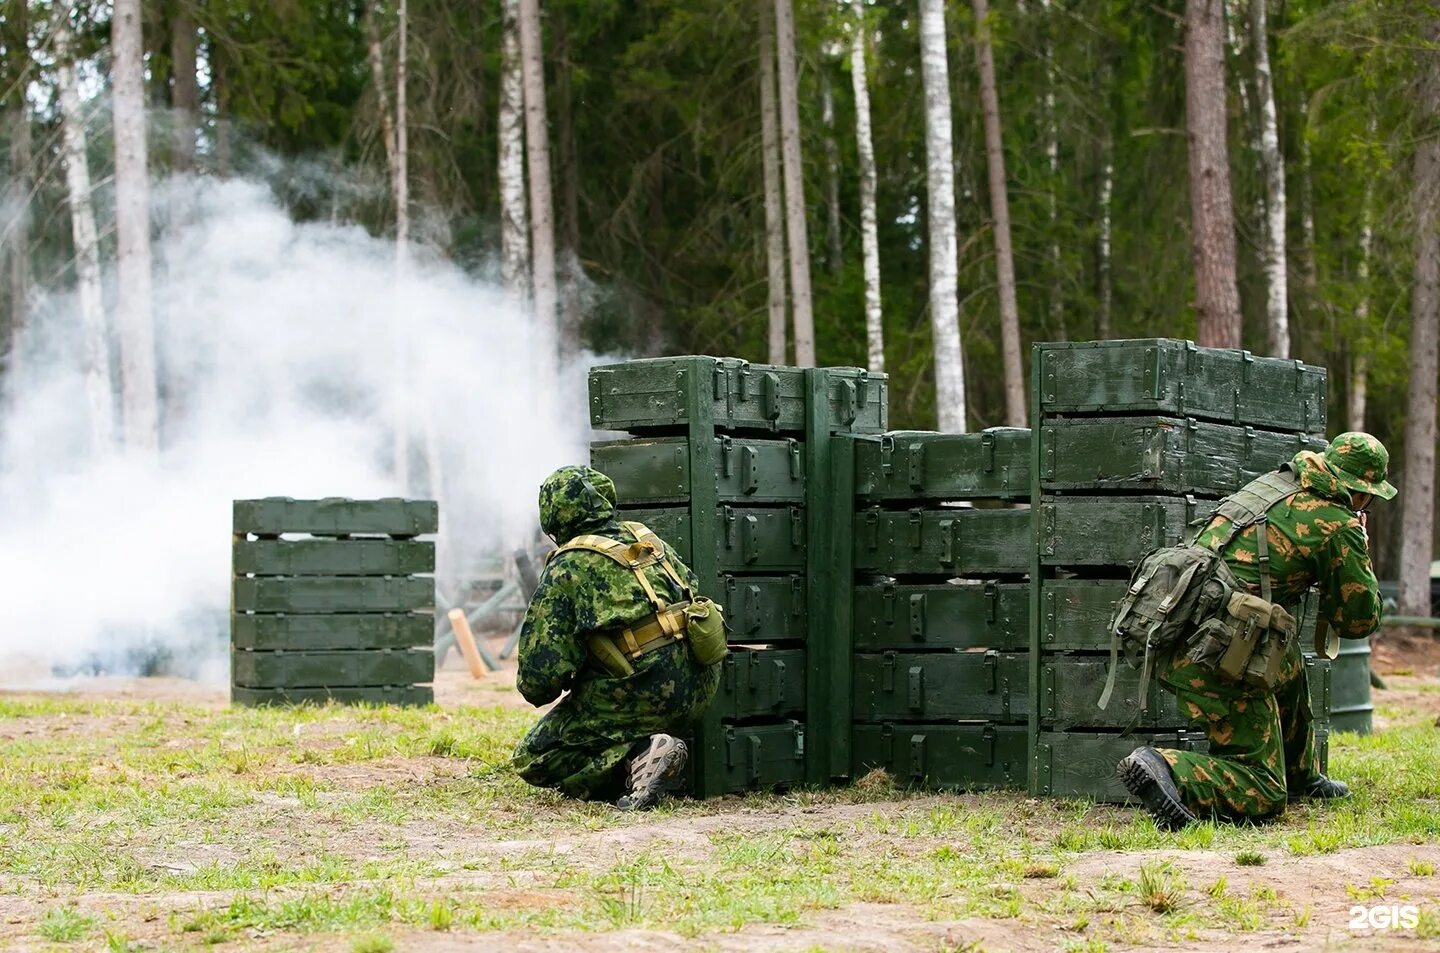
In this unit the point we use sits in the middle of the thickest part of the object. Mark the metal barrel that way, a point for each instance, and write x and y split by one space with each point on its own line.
1350 707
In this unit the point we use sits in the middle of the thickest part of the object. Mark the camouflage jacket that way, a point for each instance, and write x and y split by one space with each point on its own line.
1315 539
581 593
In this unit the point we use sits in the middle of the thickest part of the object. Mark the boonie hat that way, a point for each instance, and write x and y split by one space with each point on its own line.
1360 463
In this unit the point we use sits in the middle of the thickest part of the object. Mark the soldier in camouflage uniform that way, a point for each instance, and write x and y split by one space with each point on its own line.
609 736
1261 750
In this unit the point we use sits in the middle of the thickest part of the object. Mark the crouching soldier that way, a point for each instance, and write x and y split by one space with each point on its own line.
1235 663
617 623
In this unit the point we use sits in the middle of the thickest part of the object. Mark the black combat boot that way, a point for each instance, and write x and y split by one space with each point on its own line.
651 770
1146 774
1321 788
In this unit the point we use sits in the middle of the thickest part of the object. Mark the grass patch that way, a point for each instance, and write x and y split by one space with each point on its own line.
1250 858
1161 887
65 925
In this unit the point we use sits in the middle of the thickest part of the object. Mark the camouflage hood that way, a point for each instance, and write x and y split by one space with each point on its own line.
1315 476
577 500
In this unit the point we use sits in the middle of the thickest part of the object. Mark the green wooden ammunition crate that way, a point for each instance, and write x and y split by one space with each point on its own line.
1082 764
761 683
989 615
1070 688
336 516
338 631
374 695
761 756
964 756
655 394
913 465
941 686
308 594
1156 375
1160 454
954 541
1112 530
284 669
332 557
763 608
748 470
1075 613
748 538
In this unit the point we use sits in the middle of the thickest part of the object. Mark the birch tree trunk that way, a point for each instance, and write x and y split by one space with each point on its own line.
770 160
570 271
184 89
134 319
1360 343
16 231
796 233
514 216
832 176
869 229
940 208
1052 160
537 161
1417 547
1015 415
1217 298
94 336
1277 307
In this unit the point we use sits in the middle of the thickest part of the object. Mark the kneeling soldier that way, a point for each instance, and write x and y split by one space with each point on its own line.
616 622
1238 672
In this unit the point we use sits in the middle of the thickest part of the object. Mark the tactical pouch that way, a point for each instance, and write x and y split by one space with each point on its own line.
706 631
1248 643
608 658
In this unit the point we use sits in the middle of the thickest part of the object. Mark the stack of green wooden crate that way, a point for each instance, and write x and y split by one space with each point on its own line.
722 458
940 637
1135 440
332 599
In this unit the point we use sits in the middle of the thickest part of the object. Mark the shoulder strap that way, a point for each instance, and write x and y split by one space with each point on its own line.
1250 506
647 550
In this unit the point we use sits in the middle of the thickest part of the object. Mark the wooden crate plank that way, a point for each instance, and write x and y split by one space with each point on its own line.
337 631
286 669
336 516
328 594
408 695
332 557
944 756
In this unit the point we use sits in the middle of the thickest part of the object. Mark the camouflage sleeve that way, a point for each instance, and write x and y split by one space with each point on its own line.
551 652
1349 594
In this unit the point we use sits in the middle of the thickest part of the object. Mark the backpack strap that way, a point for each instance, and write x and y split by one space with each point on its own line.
1166 607
647 550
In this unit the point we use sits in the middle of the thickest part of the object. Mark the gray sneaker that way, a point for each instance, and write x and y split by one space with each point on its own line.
652 770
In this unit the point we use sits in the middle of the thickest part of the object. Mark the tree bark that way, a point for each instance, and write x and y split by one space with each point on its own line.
94 335
514 214
1052 158
570 272
184 88
1360 342
1417 546
770 160
16 231
832 176
1217 298
1277 307
537 162
402 140
1105 292
1015 415
134 318
869 229
796 233
940 211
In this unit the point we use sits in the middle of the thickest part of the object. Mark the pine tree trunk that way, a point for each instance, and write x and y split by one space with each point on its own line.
402 141
16 230
940 211
832 176
1277 307
869 229
1360 342
134 318
1217 298
184 89
1417 546
796 232
94 335
774 211
537 163
514 215
1015 415
570 272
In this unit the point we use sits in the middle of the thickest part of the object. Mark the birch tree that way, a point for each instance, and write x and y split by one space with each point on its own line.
869 229
94 335
794 177
1277 319
514 217
1212 228
940 186
1359 388
134 319
537 163
770 161
1015 415
15 229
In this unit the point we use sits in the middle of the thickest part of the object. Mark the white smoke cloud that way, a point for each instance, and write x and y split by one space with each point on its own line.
278 351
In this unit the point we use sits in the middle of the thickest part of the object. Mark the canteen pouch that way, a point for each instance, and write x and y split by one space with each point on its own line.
1247 643
705 628
608 657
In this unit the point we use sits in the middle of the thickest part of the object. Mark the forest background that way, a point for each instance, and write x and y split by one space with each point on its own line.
675 186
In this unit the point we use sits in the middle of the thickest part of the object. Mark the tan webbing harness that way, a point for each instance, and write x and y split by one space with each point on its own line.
668 622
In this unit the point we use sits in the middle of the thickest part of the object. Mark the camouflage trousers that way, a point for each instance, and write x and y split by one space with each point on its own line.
580 745
1262 744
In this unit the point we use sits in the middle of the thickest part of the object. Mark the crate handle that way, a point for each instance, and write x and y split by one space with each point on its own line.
989 735
887 602
992 669
949 529
916 518
796 461
992 602
887 672
887 451
987 451
770 396
749 470
749 551
848 410
797 527
754 759
727 518
917 616
752 619
915 459
915 679
727 446
917 757
797 595
777 683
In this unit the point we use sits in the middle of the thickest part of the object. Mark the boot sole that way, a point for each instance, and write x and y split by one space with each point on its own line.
1168 813
671 764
